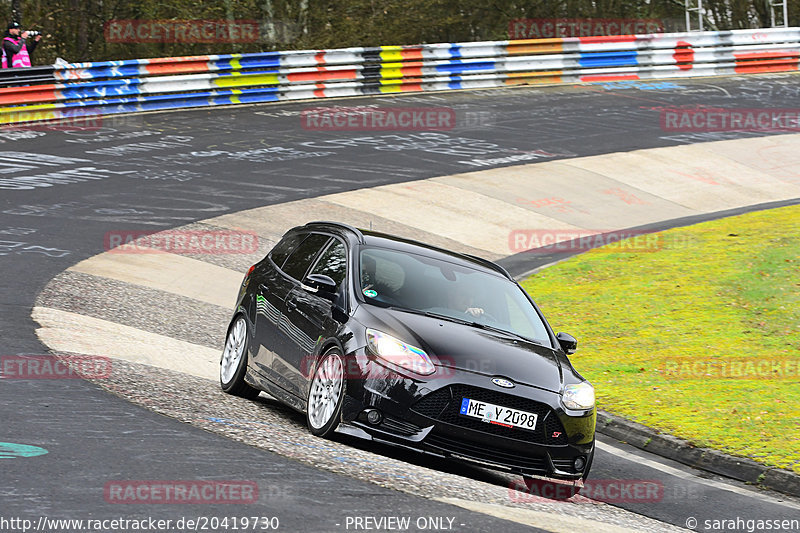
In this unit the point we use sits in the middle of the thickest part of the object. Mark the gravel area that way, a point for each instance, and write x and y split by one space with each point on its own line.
140 307
239 261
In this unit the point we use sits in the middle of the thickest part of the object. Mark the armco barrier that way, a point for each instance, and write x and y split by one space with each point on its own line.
80 89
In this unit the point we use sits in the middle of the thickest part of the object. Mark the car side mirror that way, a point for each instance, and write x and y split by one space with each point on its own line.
568 343
321 285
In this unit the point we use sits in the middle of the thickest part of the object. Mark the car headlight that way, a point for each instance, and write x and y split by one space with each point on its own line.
399 353
578 396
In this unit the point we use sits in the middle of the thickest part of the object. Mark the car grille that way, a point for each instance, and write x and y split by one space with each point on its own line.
444 405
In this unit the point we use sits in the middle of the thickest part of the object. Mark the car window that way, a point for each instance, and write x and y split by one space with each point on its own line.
421 283
516 311
285 247
333 262
298 262
381 272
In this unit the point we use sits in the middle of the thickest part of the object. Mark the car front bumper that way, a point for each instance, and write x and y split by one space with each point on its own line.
421 413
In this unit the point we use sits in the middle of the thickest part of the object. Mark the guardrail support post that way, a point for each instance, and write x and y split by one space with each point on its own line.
689 10
784 10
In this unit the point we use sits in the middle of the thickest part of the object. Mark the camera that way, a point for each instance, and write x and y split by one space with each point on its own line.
33 33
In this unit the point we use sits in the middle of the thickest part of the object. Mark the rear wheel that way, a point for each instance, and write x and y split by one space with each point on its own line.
233 364
326 394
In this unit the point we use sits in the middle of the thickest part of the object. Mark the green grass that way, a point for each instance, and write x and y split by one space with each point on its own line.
725 290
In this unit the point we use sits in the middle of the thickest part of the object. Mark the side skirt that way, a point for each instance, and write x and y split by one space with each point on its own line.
262 383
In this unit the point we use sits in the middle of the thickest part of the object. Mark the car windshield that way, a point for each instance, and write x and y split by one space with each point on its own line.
425 285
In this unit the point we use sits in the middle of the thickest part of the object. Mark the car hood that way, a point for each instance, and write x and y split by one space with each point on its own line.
465 347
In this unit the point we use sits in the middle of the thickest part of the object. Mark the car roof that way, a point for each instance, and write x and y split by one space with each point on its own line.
394 242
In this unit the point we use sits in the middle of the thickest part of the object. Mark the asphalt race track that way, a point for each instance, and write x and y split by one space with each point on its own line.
62 191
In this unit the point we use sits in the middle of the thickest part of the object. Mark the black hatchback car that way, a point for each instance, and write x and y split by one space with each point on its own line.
408 344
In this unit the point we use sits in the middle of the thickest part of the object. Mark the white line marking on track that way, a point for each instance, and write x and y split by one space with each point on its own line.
619 452
553 522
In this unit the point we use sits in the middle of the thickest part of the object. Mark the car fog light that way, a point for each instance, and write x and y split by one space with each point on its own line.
374 416
579 463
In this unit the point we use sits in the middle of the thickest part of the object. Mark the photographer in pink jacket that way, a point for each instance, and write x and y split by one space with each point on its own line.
17 49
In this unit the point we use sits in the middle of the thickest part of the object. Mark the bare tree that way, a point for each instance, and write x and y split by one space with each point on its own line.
16 11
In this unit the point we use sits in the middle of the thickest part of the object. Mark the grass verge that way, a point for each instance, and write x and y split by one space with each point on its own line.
698 336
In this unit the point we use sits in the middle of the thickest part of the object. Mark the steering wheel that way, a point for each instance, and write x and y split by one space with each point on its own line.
489 316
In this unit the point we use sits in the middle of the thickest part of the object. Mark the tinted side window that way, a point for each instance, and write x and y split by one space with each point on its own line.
333 262
301 259
286 246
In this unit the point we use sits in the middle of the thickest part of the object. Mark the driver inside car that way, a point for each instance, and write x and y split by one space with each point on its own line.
463 302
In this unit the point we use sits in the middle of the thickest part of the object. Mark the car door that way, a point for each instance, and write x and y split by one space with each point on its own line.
310 316
292 272
270 294
273 287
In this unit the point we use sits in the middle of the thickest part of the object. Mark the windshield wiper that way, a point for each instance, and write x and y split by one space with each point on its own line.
432 315
465 322
506 332
436 315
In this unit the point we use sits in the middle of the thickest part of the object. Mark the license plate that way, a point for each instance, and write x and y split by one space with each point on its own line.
499 415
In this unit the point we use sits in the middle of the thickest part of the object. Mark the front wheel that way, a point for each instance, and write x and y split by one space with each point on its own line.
326 394
233 364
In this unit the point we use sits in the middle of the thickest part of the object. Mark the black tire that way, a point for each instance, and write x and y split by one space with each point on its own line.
322 415
233 363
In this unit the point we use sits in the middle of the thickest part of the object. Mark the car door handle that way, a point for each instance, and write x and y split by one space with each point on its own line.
291 304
